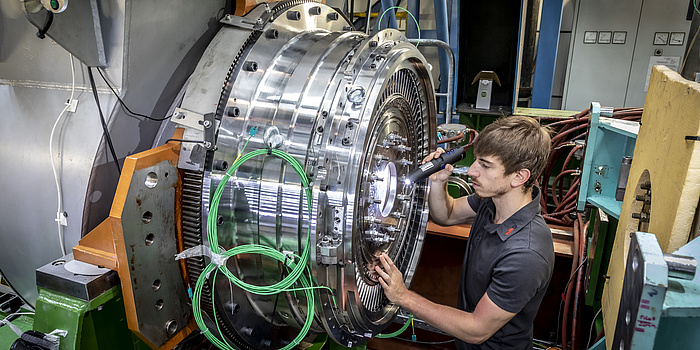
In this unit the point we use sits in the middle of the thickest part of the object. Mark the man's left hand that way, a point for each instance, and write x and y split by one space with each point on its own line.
391 280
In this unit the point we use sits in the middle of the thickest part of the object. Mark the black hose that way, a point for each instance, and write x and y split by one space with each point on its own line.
102 120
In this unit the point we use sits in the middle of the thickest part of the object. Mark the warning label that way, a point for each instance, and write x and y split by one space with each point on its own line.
3 282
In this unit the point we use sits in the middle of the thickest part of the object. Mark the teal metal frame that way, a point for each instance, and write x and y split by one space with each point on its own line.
606 145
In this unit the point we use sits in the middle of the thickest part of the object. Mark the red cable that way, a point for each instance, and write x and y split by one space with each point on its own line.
555 195
575 325
567 298
451 139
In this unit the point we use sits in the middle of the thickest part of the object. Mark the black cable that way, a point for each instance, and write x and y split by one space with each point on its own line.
41 34
425 342
102 120
181 140
128 110
572 276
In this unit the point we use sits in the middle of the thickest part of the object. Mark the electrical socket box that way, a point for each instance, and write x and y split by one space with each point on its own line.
615 44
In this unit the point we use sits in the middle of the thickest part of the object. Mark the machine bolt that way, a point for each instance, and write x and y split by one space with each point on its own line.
405 161
228 17
643 198
315 11
250 66
233 111
333 16
178 115
372 219
373 43
402 148
207 124
396 138
293 15
248 331
646 185
221 165
347 28
398 215
374 177
381 158
643 217
272 34
377 237
377 201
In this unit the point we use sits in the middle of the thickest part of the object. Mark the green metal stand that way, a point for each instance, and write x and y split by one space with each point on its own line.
7 336
99 324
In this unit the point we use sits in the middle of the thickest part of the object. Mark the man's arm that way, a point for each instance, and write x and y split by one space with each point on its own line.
474 327
445 210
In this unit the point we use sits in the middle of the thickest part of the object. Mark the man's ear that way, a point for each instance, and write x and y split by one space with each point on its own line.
520 178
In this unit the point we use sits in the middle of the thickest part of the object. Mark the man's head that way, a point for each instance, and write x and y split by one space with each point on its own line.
519 143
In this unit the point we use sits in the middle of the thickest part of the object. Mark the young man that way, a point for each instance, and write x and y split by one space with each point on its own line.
509 257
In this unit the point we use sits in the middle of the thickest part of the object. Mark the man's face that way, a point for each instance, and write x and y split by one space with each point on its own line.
488 177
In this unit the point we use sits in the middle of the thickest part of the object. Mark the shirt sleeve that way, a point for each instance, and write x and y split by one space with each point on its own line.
516 278
474 202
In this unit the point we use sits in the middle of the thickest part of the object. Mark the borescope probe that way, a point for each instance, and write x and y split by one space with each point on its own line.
450 156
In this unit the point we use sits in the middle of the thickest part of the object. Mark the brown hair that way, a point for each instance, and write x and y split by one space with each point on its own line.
519 142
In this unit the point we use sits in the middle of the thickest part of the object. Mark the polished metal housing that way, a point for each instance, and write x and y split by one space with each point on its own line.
358 112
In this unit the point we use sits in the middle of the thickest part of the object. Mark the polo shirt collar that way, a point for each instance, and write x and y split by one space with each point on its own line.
516 221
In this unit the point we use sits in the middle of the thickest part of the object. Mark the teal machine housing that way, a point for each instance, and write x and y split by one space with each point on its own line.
609 143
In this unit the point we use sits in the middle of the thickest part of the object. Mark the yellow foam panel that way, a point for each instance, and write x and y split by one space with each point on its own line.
671 163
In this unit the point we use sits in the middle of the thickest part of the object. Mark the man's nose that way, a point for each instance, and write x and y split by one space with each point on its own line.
472 170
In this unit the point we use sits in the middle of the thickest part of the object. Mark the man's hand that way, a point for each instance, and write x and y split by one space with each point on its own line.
442 175
391 280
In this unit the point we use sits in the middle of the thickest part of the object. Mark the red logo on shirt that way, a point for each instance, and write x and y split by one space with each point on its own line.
510 230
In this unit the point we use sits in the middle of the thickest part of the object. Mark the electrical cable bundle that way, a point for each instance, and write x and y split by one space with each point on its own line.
565 134
564 147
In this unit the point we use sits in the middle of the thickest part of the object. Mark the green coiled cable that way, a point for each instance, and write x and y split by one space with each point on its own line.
296 265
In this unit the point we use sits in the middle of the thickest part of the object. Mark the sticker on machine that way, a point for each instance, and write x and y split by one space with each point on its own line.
671 62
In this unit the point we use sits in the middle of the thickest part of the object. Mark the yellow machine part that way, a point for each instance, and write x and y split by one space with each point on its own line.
671 164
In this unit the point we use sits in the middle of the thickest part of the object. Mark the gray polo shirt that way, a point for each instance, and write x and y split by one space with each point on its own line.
513 263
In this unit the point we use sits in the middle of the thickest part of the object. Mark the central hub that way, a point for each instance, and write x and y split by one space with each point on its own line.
386 189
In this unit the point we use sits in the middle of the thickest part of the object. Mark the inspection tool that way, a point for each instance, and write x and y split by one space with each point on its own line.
450 156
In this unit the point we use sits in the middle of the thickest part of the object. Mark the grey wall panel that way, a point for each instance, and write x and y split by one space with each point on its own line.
598 72
615 74
29 235
151 46
657 16
35 79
